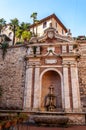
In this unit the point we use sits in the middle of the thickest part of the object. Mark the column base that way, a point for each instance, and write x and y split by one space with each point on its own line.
27 109
67 110
77 110
36 109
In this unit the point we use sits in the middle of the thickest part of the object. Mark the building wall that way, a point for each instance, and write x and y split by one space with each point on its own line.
12 78
7 31
40 29
58 28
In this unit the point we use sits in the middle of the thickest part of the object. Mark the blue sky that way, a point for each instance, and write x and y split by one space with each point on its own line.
71 12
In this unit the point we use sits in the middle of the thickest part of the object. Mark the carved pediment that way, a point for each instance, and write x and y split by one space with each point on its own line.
51 35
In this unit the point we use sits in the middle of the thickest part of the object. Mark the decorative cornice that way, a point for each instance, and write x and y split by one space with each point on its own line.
69 55
31 64
69 63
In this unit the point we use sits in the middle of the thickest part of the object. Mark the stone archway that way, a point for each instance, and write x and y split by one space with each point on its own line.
51 77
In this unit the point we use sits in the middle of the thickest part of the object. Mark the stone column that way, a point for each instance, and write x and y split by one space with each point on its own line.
36 88
66 88
28 88
75 88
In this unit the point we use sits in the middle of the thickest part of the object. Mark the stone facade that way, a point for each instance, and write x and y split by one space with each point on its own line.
27 72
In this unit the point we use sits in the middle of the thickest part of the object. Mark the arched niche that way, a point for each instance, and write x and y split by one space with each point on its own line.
52 77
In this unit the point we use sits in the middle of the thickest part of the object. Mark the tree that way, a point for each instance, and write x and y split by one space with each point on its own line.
34 16
14 25
25 26
19 33
23 31
2 23
26 35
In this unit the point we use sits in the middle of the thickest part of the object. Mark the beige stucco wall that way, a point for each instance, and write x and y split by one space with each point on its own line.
58 28
40 29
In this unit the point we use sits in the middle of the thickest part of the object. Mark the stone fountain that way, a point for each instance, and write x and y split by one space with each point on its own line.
50 117
50 100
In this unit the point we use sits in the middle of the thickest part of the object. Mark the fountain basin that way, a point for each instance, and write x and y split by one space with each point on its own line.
51 120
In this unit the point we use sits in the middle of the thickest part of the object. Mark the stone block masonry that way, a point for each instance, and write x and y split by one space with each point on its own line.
12 78
82 73
26 74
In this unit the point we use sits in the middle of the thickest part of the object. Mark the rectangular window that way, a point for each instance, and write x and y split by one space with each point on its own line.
64 48
62 31
50 24
70 48
56 25
44 24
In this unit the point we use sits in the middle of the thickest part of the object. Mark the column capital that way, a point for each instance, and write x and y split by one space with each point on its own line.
32 64
69 63
73 64
65 65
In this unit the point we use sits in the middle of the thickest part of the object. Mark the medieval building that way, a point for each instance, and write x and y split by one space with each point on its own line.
47 74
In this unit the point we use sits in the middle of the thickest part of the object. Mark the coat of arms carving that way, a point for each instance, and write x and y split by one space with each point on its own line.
50 34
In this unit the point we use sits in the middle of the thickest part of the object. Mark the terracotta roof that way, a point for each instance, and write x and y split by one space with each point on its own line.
49 17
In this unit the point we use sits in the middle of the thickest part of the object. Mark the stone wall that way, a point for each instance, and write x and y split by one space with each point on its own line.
76 118
82 73
12 78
